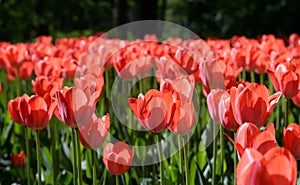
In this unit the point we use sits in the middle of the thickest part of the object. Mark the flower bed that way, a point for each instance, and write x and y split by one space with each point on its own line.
84 110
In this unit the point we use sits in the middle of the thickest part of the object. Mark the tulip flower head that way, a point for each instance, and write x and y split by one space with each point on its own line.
93 134
291 138
117 157
18 160
277 166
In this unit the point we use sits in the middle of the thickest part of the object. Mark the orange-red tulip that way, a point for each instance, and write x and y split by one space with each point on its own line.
248 136
18 160
43 84
219 107
155 110
36 111
93 134
252 102
286 78
182 89
277 166
291 136
14 109
74 107
117 157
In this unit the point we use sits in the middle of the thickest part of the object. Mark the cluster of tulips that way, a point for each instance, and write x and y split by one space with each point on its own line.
70 81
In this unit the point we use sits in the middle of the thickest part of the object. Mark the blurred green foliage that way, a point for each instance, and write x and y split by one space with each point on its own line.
23 20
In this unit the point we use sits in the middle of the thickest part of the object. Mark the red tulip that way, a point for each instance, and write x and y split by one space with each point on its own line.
248 136
43 84
166 69
286 78
36 111
291 136
69 68
74 107
133 60
155 110
49 66
182 89
277 166
117 157
18 160
252 102
219 107
14 109
25 71
93 134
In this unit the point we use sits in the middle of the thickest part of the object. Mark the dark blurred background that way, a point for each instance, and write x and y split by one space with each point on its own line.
23 20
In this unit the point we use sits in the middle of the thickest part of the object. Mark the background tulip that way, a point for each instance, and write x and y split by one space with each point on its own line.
18 160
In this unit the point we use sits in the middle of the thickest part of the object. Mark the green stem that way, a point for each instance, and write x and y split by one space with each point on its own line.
153 165
161 166
222 152
94 158
104 177
252 76
180 154
28 174
54 150
117 180
38 156
261 78
244 75
186 162
234 162
286 112
214 156
78 157
75 178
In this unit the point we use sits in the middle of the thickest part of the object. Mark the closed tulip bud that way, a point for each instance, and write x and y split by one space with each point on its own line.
18 160
117 157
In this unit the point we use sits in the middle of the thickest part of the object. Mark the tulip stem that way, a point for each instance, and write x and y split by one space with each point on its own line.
54 150
252 76
78 157
117 180
153 158
180 156
261 78
234 162
75 178
286 112
214 156
94 158
38 156
186 162
28 174
161 166
222 152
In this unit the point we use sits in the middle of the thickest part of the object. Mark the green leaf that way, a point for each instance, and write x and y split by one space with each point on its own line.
65 178
218 167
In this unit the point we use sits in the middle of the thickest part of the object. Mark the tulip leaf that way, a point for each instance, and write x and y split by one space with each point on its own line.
65 178
218 167
5 133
